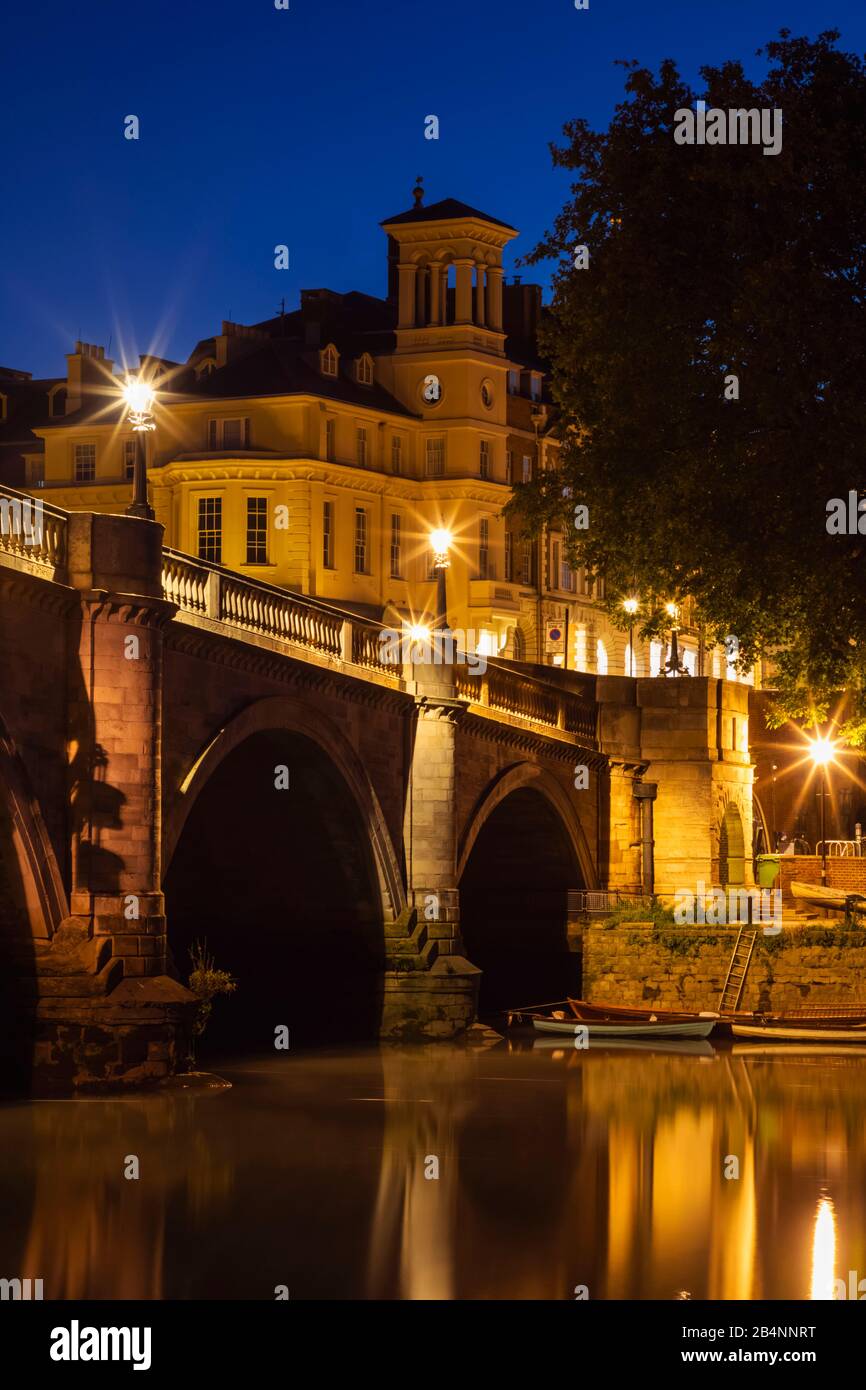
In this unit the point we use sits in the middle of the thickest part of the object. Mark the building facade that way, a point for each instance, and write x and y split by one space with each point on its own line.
319 449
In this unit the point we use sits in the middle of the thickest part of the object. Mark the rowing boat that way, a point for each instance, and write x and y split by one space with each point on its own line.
615 1013
624 1028
820 896
800 1032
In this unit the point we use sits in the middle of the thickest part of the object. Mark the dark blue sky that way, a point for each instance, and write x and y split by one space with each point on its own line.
306 127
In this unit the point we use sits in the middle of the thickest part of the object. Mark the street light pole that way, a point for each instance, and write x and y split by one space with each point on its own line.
139 399
824 828
441 540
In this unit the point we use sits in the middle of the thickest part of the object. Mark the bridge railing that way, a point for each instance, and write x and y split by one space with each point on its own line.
32 530
513 693
212 591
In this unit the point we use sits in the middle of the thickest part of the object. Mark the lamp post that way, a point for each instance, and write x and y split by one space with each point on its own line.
631 606
441 541
673 665
822 751
139 397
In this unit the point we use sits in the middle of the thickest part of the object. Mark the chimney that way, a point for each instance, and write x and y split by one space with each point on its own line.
88 372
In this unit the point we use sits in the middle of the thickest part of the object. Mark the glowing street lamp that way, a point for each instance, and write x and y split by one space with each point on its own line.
441 541
140 397
631 606
673 665
821 751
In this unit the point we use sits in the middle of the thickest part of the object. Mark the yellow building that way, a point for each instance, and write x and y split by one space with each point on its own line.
319 449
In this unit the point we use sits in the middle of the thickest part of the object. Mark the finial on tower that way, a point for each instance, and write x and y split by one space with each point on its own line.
418 191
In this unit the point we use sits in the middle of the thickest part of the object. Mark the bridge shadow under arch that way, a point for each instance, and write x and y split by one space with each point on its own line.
289 886
522 851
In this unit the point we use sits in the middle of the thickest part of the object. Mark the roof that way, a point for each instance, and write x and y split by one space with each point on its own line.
445 211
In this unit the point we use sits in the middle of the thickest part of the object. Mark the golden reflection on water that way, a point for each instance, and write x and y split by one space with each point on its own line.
639 1174
824 1252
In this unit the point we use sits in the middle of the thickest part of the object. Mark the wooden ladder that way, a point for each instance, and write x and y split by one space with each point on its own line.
737 970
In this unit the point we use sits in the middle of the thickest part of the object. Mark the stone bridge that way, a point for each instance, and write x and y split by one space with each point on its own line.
189 755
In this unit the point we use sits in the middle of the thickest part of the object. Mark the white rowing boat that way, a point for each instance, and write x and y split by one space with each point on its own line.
787 1032
700 1028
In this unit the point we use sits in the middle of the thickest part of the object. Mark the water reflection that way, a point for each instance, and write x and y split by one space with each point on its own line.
442 1173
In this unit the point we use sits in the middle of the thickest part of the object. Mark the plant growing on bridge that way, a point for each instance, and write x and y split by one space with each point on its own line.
206 982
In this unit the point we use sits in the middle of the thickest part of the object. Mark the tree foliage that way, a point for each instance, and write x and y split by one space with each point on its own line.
706 262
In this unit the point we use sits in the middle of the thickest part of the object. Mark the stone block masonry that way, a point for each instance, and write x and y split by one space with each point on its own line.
686 967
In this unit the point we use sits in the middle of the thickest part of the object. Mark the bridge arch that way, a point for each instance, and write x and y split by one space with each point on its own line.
521 850
287 714
290 886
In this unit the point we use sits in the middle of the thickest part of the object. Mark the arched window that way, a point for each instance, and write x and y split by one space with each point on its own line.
329 359
57 403
205 368
519 645
601 658
655 658
364 369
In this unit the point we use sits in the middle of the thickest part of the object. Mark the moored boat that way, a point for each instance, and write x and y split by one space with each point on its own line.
627 1028
820 896
598 1013
791 1030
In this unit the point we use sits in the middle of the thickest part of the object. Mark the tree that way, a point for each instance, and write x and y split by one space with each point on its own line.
707 263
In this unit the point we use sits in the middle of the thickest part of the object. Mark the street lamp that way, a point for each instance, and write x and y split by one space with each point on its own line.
139 397
821 753
441 541
673 665
631 606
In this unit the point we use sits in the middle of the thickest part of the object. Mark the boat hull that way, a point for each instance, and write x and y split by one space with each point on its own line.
614 1013
695 1028
800 1032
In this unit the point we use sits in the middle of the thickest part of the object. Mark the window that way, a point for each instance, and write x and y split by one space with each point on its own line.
484 548
526 474
601 658
228 434
257 530
509 555
566 577
58 402
484 459
328 535
535 385
396 454
329 360
526 562
85 462
331 440
395 547
361 538
129 447
555 549
362 448
205 369
365 370
435 458
513 382
210 529
509 466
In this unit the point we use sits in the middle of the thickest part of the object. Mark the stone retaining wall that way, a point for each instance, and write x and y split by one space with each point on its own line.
685 967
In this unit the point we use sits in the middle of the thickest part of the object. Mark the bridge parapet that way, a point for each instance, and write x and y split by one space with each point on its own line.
212 591
32 534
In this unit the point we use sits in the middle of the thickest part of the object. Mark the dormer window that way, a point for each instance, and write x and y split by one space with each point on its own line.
3 407
205 369
330 360
57 402
364 369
